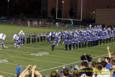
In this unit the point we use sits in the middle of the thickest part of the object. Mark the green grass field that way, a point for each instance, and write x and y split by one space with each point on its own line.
10 57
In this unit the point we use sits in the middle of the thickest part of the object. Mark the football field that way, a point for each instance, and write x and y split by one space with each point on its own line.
40 53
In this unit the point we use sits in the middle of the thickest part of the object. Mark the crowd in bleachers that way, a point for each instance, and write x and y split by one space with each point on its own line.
100 68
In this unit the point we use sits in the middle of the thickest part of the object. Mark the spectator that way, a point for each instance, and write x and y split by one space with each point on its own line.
98 71
18 70
54 74
86 57
113 56
108 65
105 72
113 65
113 68
94 64
85 69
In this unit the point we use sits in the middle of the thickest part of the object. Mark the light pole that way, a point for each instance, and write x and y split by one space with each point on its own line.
62 9
56 9
8 7
81 10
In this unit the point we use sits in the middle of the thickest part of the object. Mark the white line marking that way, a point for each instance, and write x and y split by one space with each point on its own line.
8 73
69 57
36 60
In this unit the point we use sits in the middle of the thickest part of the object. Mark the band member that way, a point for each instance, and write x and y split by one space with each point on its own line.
22 37
3 37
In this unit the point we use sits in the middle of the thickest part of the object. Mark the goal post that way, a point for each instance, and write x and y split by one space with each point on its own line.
81 11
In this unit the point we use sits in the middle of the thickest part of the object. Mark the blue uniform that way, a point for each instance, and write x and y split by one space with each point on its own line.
82 38
66 44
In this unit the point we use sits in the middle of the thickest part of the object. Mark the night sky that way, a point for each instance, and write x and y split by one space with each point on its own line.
20 8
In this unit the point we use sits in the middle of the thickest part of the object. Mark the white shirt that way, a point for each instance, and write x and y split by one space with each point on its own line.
15 37
2 36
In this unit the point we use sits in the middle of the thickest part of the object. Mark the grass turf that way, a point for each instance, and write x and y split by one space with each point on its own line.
46 63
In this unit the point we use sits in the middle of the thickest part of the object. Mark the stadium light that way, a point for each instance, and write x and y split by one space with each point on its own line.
8 1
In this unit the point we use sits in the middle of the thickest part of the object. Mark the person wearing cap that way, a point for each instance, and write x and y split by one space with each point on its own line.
85 70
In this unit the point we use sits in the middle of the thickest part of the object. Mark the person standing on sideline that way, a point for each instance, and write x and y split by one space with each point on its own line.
28 23
18 70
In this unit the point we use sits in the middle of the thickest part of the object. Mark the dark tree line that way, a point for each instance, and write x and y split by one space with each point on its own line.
28 8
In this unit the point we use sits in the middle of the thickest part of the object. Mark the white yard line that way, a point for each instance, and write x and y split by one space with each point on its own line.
37 60
30 47
44 61
68 57
8 73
